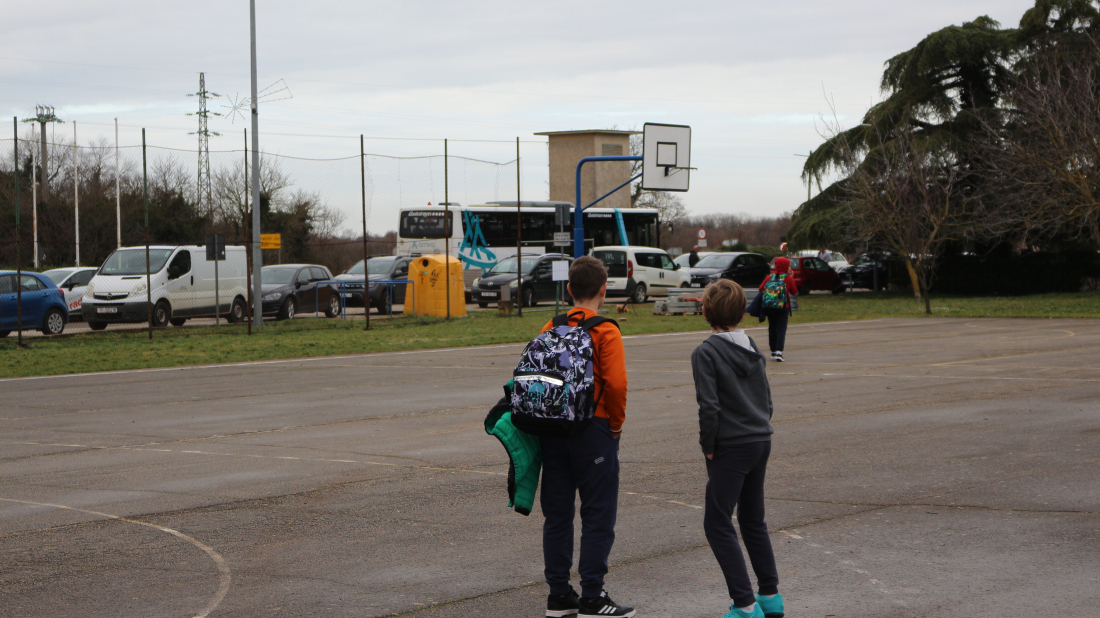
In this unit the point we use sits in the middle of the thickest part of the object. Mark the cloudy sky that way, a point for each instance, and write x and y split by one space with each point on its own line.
752 79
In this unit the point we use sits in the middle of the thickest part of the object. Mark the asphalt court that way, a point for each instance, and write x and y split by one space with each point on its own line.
921 467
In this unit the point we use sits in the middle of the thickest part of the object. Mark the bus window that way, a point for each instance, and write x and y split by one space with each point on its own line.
426 224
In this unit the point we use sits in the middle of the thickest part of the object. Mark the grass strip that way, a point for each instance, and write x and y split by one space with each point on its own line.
114 350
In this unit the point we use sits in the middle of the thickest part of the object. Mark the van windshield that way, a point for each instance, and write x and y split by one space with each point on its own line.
132 261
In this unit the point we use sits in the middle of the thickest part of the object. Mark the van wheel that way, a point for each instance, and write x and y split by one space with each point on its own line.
333 307
178 321
287 311
483 305
162 312
54 323
97 325
640 295
236 312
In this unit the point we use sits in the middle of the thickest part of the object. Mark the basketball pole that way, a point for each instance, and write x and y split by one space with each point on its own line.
578 212
447 229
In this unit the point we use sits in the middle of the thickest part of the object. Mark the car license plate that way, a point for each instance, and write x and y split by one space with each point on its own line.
489 294
106 310
697 285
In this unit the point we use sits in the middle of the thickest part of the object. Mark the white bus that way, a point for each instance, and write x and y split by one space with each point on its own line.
486 233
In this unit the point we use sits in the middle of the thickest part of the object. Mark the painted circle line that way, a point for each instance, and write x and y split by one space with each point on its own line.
223 569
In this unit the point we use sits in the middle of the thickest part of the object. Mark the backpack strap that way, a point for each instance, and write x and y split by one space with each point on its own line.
595 321
563 319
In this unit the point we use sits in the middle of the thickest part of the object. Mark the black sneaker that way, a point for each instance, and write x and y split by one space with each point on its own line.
559 605
602 606
779 357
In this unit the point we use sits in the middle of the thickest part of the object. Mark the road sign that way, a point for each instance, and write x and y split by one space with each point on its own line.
215 247
271 241
702 243
666 157
702 233
563 239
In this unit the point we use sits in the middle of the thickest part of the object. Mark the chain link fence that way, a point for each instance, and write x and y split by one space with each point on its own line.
90 199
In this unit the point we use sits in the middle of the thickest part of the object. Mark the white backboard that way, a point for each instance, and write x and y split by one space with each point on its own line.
666 157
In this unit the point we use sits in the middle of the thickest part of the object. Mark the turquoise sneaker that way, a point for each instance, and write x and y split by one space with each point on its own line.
737 613
773 607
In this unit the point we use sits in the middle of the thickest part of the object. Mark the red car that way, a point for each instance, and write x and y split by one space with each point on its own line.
811 273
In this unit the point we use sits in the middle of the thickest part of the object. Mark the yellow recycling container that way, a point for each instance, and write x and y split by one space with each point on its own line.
427 287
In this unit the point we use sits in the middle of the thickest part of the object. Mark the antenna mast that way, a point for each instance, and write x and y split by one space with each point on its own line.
203 191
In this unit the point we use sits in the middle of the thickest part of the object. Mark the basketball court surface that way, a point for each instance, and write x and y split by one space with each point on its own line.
921 467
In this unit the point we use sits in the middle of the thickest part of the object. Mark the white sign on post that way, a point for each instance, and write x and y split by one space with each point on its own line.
561 270
702 243
563 239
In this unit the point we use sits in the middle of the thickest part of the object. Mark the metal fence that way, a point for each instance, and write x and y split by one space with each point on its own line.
91 198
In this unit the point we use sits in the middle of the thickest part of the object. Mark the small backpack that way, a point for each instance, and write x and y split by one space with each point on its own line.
553 391
775 292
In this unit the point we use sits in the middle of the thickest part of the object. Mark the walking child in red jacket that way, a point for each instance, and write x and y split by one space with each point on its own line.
777 290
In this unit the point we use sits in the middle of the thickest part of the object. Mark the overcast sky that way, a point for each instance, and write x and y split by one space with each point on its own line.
752 79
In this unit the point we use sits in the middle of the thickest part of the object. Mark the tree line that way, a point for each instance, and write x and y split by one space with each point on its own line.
988 139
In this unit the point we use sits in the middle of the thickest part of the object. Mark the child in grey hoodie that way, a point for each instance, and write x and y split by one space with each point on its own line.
735 432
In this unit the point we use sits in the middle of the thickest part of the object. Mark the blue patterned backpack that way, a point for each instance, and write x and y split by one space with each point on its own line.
553 391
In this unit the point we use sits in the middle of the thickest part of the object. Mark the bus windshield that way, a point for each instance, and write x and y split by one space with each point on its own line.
132 261
426 224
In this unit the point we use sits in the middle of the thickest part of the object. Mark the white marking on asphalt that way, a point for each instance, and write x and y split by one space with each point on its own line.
942 377
223 569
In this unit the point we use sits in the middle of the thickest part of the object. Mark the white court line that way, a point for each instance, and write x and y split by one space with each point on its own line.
367 355
223 569
938 377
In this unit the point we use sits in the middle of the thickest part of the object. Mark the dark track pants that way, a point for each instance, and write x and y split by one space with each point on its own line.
736 479
588 463
777 328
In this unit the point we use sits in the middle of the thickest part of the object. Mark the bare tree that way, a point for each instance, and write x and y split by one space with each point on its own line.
1045 157
905 196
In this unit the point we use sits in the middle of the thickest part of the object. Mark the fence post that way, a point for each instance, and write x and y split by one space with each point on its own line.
18 266
519 244
447 231
366 255
148 275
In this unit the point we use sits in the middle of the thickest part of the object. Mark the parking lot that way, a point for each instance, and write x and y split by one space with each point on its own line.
921 467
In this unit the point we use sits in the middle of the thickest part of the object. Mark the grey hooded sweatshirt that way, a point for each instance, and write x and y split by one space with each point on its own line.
731 387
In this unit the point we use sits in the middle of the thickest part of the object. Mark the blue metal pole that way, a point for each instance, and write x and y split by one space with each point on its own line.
578 210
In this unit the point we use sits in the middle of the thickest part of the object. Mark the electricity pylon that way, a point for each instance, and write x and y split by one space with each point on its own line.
44 114
203 192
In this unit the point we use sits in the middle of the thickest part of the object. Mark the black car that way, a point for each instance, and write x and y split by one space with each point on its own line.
870 271
382 268
746 269
292 289
538 282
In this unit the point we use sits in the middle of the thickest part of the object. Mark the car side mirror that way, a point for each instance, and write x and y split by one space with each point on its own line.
675 266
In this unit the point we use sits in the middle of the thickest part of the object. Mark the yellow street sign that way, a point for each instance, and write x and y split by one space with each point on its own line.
271 241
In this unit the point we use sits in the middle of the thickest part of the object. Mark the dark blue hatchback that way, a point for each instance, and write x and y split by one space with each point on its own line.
43 304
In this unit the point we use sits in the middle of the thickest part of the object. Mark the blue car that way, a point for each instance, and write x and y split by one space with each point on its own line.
44 306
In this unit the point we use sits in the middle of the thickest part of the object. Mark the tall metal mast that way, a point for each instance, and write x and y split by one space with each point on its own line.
203 193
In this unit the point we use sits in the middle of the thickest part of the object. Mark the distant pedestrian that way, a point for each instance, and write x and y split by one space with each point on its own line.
823 254
693 257
735 432
777 289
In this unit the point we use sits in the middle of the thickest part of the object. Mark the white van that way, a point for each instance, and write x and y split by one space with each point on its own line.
640 272
182 282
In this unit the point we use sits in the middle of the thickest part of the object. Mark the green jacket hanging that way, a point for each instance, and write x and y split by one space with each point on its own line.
524 454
